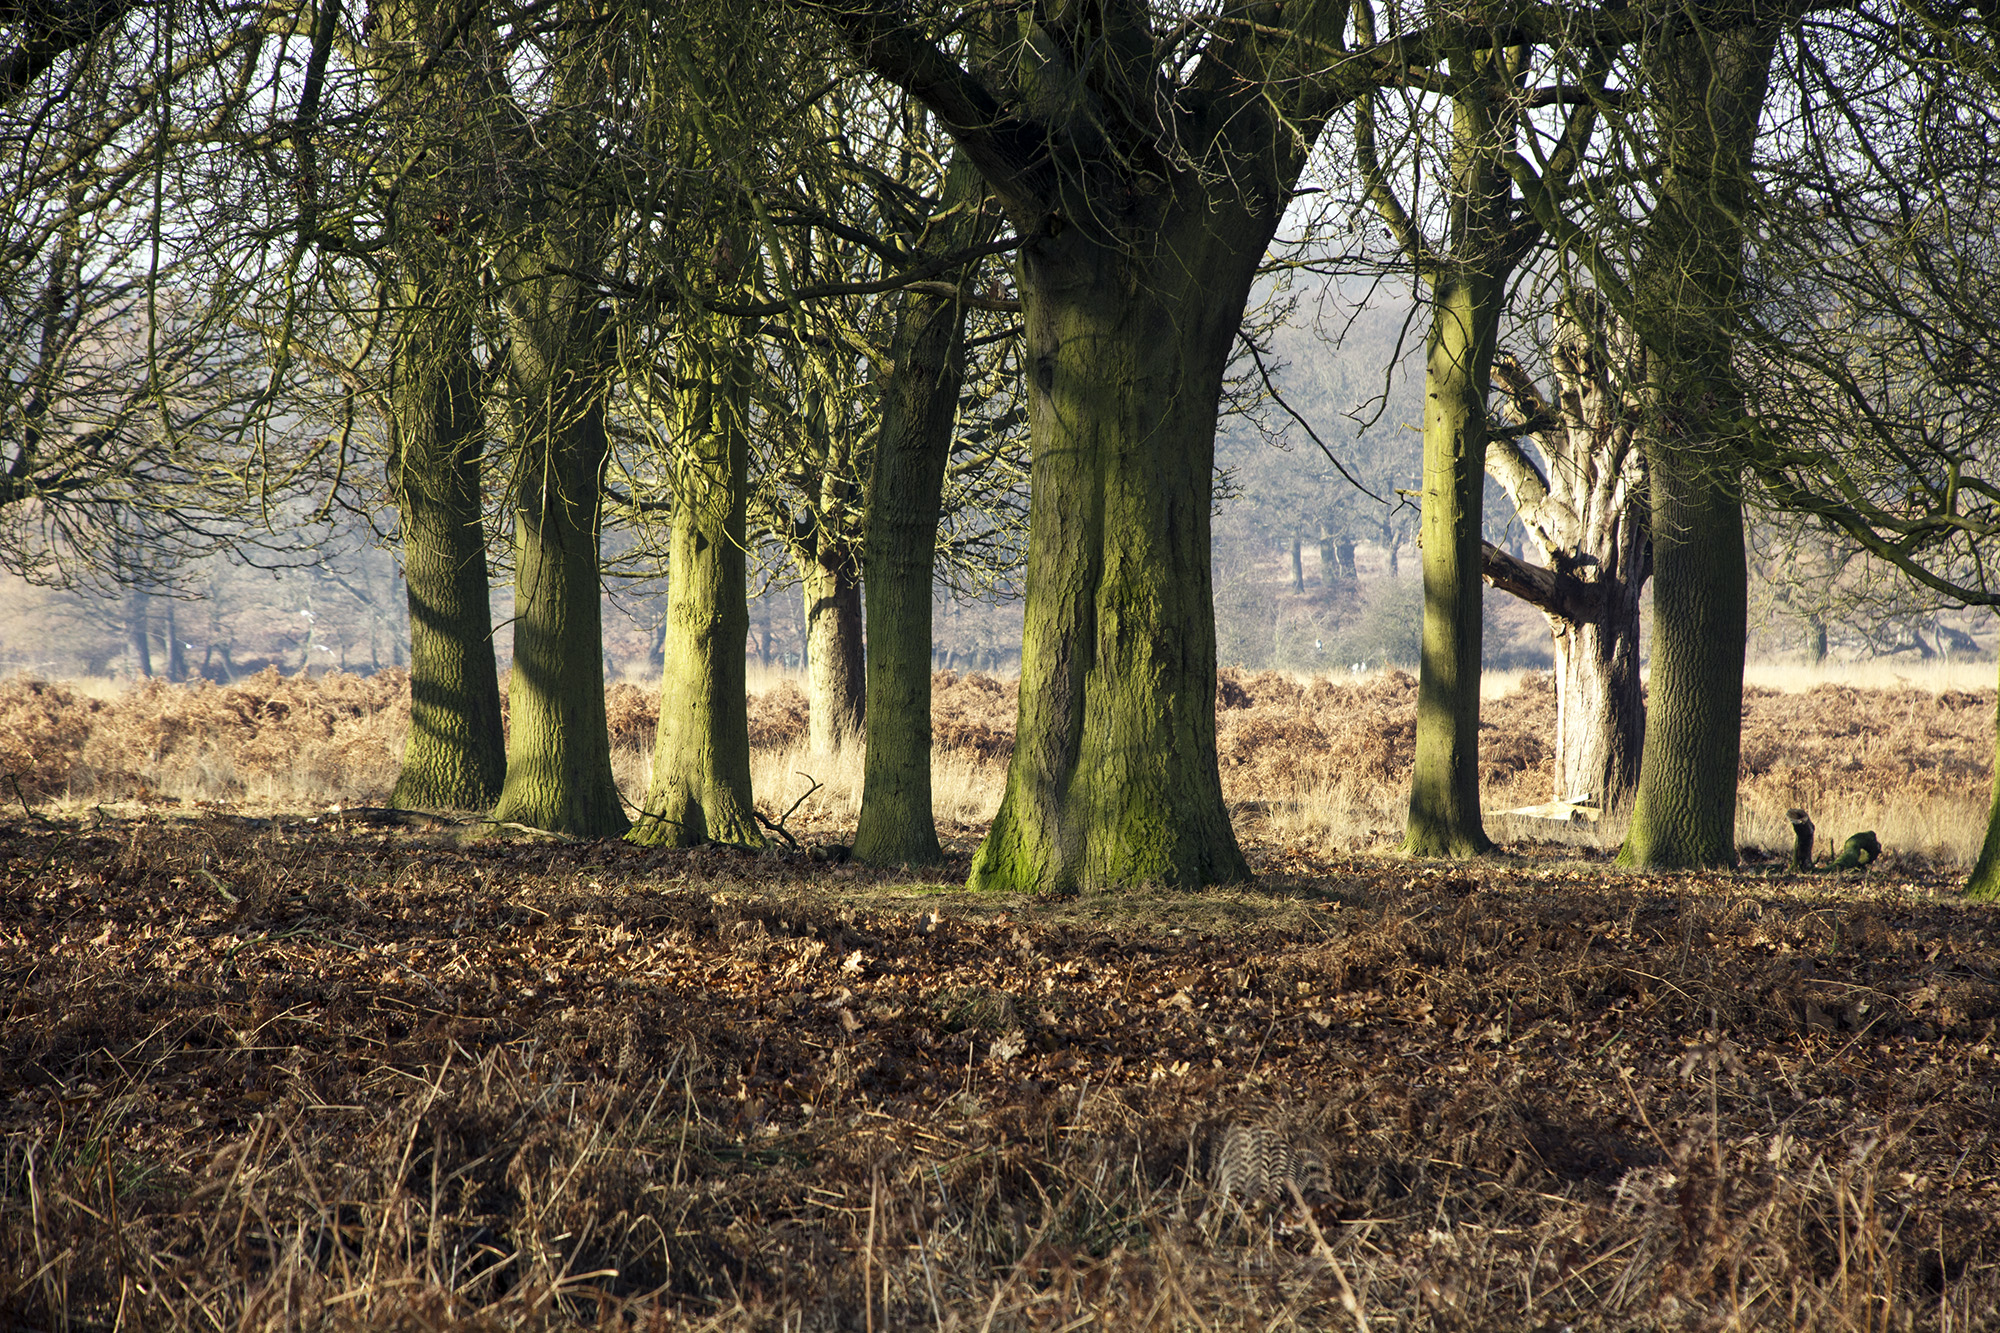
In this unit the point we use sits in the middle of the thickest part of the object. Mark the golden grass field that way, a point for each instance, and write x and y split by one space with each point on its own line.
1322 763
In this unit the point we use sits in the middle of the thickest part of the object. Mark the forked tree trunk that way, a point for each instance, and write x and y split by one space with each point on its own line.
1444 817
455 757
700 791
919 402
836 681
1583 509
1113 781
558 745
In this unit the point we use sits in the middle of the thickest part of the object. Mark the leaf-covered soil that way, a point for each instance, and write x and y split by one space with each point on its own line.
278 1074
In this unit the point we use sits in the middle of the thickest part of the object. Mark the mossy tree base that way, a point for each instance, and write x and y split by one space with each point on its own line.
700 790
1113 781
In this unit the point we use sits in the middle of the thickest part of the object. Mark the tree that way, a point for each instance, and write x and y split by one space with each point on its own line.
559 365
700 790
455 756
1704 74
1583 508
919 403
726 149
1145 169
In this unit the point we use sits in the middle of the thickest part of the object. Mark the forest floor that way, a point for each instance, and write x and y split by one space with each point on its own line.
287 1073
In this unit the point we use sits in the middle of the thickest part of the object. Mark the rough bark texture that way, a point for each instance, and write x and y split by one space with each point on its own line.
1143 210
836 679
455 754
1985 882
1114 779
455 757
1707 86
919 401
558 745
1583 508
1684 815
1600 706
700 791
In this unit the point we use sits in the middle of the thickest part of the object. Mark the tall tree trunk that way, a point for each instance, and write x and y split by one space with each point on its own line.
455 754
1444 817
455 757
700 790
919 403
1113 780
1684 815
558 744
1707 82
836 681
1298 564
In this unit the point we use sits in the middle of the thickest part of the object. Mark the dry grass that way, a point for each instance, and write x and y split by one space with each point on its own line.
283 1076
1317 762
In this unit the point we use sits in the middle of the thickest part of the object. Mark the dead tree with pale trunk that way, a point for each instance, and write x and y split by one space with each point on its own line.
1583 507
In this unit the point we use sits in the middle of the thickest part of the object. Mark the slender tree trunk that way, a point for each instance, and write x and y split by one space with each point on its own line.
139 630
1984 885
919 402
1444 783
1113 780
836 680
700 790
170 635
455 757
558 744
1298 564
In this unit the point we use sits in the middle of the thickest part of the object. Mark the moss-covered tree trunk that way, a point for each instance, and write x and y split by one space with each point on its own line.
1144 196
1985 882
1444 815
558 745
836 679
455 757
919 403
1706 90
700 789
1113 780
